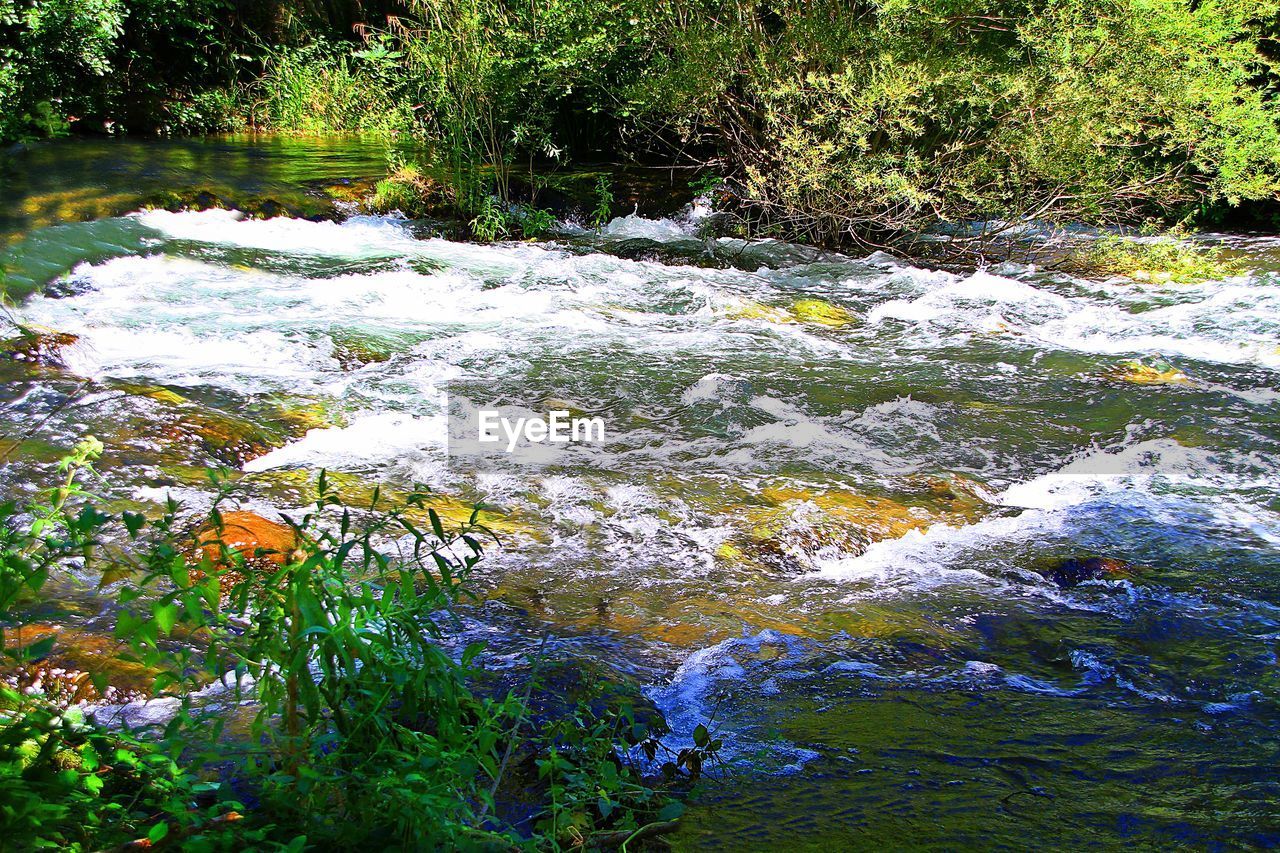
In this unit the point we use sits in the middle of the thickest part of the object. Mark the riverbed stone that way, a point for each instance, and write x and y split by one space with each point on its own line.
1141 373
82 666
37 345
259 540
1073 571
821 313
796 527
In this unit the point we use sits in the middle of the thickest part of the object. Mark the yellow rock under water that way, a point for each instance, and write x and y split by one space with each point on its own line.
810 311
793 526
749 310
881 517
1140 373
153 392
866 619
821 313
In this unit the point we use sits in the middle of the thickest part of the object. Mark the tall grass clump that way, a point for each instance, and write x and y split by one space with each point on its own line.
322 88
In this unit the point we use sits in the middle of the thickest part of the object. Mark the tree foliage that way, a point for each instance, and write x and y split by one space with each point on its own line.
876 119
864 120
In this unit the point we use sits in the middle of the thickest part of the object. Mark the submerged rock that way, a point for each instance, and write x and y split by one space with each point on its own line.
1140 373
750 310
82 666
233 438
298 205
350 191
1073 571
796 536
821 313
228 439
353 351
808 311
259 540
892 620
956 494
799 528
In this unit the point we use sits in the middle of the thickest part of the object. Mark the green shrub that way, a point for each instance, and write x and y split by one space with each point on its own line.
876 121
134 64
533 221
409 190
603 211
491 220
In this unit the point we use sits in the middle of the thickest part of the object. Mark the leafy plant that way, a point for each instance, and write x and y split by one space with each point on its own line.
408 190
602 212
533 221
63 782
1171 256
706 185
490 221
873 123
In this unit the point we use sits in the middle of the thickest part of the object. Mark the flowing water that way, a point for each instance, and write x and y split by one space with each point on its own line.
986 559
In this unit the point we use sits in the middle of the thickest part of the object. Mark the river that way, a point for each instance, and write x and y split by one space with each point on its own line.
983 559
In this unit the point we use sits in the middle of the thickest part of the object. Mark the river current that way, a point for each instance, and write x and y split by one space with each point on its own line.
951 559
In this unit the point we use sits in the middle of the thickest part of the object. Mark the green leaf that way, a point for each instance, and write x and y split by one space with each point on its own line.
470 652
133 522
671 811
158 832
166 615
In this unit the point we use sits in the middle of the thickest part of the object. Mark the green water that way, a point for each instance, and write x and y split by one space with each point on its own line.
832 513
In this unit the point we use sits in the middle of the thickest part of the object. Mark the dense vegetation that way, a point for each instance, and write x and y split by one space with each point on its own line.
833 120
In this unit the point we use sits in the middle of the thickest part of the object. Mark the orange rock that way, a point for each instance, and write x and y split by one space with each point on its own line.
64 675
255 538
